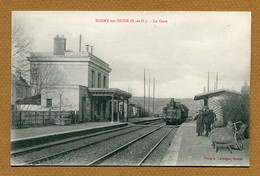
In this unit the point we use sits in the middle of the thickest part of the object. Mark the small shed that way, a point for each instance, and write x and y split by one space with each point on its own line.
212 100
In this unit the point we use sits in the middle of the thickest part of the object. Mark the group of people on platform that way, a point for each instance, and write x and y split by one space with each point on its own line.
205 118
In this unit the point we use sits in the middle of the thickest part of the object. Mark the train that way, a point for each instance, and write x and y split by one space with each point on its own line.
175 113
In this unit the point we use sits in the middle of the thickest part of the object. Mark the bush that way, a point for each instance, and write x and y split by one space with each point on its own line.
236 108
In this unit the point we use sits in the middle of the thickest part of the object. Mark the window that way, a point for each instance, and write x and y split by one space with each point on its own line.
92 78
105 82
99 80
49 103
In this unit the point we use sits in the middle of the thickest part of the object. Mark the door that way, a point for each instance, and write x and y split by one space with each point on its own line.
83 109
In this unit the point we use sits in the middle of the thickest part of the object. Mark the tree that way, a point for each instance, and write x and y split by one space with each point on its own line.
44 75
21 45
236 108
37 75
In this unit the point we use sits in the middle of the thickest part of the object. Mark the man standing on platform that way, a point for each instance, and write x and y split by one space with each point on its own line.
200 125
208 119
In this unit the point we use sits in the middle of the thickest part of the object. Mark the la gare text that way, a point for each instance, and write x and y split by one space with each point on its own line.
131 21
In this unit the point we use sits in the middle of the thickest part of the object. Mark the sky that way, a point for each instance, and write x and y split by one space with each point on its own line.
177 49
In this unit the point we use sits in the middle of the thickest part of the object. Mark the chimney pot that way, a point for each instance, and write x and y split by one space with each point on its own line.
91 49
87 48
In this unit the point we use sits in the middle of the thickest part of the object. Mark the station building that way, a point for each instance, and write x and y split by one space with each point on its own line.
76 81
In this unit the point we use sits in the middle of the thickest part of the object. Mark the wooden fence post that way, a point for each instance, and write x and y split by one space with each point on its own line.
20 119
75 117
43 118
49 115
35 116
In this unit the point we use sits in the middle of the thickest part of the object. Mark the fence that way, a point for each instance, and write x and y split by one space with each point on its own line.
25 119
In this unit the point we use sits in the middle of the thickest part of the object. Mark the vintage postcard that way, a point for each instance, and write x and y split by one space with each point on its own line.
104 88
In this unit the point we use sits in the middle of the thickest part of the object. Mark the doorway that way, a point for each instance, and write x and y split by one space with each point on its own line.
83 109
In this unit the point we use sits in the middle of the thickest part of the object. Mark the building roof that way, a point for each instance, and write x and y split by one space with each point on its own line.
215 93
33 100
69 57
109 92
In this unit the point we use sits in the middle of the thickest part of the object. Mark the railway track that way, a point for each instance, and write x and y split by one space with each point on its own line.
59 142
102 158
128 154
154 147
39 149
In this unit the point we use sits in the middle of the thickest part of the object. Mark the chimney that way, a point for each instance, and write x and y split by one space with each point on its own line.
59 45
80 36
91 49
87 46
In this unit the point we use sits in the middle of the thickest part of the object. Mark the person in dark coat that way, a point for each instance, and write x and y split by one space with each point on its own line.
208 118
200 125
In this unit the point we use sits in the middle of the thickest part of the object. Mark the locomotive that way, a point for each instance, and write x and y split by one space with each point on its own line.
175 113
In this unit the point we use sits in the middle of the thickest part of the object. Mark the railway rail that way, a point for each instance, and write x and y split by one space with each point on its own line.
132 153
39 149
99 160
154 147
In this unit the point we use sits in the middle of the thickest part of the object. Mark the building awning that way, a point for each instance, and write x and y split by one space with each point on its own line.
215 93
135 105
110 92
34 100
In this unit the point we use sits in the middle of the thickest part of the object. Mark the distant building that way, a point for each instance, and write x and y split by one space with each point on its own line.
77 81
245 89
134 110
19 89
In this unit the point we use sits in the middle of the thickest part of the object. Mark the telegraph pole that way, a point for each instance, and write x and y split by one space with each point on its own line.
60 105
60 101
217 81
208 81
144 90
153 94
149 100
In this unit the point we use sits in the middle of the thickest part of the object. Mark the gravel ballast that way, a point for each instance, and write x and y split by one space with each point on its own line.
62 147
89 154
132 155
155 158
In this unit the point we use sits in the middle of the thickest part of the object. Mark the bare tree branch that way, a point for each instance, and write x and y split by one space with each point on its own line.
21 45
44 75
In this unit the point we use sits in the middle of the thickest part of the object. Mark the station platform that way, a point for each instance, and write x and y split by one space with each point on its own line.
33 136
17 134
143 119
188 149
